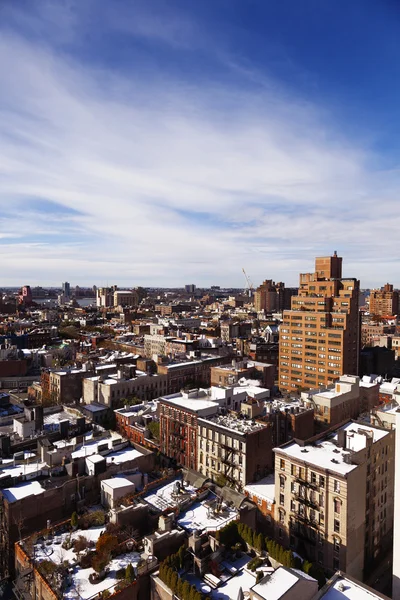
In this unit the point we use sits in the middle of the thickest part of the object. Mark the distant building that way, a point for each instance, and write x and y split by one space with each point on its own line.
273 297
66 289
25 296
384 302
190 289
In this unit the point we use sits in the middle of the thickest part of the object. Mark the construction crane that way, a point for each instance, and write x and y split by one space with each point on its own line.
250 288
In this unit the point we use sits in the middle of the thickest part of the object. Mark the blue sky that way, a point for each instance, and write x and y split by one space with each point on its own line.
164 143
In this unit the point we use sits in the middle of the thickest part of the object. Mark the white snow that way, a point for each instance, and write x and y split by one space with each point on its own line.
81 588
264 488
276 585
199 516
23 491
164 497
125 455
352 591
30 470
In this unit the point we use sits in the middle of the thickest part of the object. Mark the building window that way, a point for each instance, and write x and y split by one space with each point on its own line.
336 505
321 558
336 545
281 499
293 506
280 533
313 478
336 486
336 525
281 482
281 516
292 470
321 481
282 464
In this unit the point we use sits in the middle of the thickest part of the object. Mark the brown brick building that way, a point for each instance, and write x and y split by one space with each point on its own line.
178 426
384 302
319 337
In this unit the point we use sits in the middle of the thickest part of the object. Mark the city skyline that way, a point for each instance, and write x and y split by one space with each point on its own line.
156 145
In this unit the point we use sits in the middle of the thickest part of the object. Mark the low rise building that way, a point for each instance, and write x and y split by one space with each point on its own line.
245 369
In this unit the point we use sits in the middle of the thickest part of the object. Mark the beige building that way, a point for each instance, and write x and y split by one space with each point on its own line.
234 450
336 403
319 337
111 391
335 497
124 298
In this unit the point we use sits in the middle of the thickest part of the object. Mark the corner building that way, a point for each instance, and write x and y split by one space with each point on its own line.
335 497
319 337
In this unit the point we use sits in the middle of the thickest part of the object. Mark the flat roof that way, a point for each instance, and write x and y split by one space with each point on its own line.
24 490
326 454
117 482
343 588
191 404
265 488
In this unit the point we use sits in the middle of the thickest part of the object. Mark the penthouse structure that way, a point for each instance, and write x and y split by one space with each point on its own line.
335 497
319 337
234 450
179 416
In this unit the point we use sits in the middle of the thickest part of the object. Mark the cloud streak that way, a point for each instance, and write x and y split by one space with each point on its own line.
160 180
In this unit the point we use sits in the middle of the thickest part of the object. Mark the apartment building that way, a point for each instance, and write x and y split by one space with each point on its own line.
319 337
234 450
179 426
112 390
336 403
384 302
195 372
372 331
273 297
125 298
289 421
335 497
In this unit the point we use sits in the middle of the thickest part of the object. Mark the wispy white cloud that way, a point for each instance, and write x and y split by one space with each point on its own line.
171 181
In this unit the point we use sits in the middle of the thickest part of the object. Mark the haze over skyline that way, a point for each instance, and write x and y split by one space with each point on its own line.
164 143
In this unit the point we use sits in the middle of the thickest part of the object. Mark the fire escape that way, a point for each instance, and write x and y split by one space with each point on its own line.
304 522
177 440
228 459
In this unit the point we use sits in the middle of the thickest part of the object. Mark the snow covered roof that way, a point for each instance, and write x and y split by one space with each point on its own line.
117 482
326 454
24 490
276 585
264 489
342 587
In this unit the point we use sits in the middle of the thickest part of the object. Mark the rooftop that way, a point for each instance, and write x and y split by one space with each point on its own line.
342 587
24 490
278 583
194 405
326 453
265 488
232 423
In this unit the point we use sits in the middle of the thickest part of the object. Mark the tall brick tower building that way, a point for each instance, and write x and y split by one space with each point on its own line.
319 337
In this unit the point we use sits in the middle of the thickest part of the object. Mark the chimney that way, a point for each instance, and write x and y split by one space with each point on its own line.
342 438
